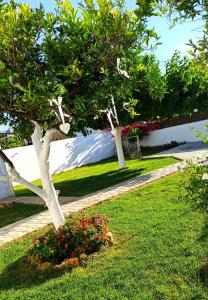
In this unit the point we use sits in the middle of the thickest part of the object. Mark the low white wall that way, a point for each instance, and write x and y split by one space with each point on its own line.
180 133
6 189
65 154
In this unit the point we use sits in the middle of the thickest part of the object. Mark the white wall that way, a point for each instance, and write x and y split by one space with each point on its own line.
5 188
180 133
65 154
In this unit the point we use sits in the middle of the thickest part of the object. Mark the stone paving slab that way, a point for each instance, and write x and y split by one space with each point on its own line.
30 224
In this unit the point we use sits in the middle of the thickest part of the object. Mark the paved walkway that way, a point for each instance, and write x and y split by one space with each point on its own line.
188 151
20 228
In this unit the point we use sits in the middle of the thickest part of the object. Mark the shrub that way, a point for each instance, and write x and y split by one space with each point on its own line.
81 234
192 187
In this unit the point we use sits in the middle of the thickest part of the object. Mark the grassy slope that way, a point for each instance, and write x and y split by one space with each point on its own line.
17 211
157 254
94 177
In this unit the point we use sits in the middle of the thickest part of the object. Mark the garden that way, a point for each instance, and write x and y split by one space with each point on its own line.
137 228
159 252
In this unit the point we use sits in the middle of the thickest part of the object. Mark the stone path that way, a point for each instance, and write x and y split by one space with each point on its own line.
187 151
20 228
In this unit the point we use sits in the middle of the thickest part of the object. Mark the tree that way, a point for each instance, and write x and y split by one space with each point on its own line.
186 84
149 87
58 71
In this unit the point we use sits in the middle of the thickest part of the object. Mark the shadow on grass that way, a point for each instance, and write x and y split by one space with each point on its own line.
83 186
22 274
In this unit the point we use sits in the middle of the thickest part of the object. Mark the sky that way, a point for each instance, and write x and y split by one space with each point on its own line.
171 39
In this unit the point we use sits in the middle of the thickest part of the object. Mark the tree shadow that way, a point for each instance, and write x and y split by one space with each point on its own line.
22 274
83 186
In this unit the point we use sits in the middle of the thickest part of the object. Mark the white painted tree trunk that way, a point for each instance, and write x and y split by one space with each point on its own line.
119 148
48 193
42 149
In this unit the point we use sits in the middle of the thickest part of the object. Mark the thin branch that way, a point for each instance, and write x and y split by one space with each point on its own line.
18 113
6 159
15 176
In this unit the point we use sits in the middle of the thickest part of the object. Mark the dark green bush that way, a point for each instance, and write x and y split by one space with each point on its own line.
192 187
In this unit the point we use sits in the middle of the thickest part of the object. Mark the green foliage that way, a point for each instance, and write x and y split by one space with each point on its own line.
81 234
192 187
186 84
149 87
11 142
191 9
70 53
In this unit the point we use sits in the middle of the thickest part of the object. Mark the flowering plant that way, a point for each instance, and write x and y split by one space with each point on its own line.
142 127
81 234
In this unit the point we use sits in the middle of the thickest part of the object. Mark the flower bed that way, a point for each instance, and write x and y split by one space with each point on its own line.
80 236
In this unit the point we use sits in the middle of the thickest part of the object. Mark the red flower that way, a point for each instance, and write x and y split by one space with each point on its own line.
73 255
87 240
81 249
36 241
66 246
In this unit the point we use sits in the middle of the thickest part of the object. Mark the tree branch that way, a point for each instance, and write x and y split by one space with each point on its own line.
6 159
18 113
15 176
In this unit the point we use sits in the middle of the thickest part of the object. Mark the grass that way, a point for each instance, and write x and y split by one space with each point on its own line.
14 212
88 179
160 243
81 181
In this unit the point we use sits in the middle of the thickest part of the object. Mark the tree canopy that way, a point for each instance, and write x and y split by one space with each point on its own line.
70 53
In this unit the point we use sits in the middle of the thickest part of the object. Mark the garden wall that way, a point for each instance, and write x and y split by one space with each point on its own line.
65 154
5 188
180 134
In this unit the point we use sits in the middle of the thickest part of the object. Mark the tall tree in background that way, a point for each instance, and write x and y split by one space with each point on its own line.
58 71
149 87
186 84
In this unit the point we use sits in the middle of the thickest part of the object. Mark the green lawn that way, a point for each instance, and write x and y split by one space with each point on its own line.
17 211
94 177
160 243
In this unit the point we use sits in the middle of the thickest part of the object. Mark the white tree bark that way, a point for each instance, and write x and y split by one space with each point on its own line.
42 149
119 148
48 193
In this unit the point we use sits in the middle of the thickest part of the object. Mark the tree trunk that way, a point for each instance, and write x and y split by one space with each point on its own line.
48 193
119 148
42 150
